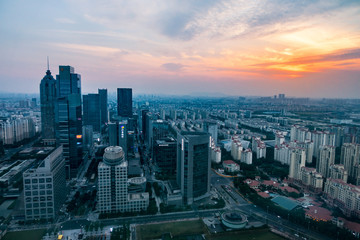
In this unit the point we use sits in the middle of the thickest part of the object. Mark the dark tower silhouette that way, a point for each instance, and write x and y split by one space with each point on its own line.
92 111
124 102
47 104
103 106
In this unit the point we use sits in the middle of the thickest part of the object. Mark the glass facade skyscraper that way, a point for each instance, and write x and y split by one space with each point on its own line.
103 106
193 165
68 117
92 111
124 102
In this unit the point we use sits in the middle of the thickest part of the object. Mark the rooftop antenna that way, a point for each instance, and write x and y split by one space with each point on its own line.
48 62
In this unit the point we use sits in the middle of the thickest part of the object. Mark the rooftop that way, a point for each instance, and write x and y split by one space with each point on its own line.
318 213
285 202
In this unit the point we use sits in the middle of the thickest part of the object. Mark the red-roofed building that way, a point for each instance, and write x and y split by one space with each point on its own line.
231 166
318 214
289 189
269 183
252 183
353 227
263 194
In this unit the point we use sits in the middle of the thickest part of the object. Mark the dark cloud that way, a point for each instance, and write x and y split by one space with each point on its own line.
349 54
173 67
175 26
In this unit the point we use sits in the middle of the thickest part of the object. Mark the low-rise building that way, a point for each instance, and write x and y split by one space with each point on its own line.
231 166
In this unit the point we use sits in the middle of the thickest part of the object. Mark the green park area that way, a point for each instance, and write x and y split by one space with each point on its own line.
30 234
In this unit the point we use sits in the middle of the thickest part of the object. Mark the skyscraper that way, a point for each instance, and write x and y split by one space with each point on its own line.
193 165
124 102
92 111
68 117
103 106
164 156
113 195
118 134
47 103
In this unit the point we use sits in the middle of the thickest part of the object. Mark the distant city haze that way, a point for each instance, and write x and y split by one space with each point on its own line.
215 48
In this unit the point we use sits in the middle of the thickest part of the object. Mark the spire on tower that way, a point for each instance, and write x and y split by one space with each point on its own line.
48 68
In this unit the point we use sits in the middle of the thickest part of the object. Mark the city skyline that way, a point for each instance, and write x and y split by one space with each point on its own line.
308 49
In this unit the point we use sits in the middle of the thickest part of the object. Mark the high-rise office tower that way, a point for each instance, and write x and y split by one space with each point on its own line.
350 158
103 106
92 111
193 165
124 102
118 134
68 117
47 103
45 187
164 156
113 195
155 130
144 113
326 159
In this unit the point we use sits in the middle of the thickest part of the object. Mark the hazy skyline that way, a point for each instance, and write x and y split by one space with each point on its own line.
300 48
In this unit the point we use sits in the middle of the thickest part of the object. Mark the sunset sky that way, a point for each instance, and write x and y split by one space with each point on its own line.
257 47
